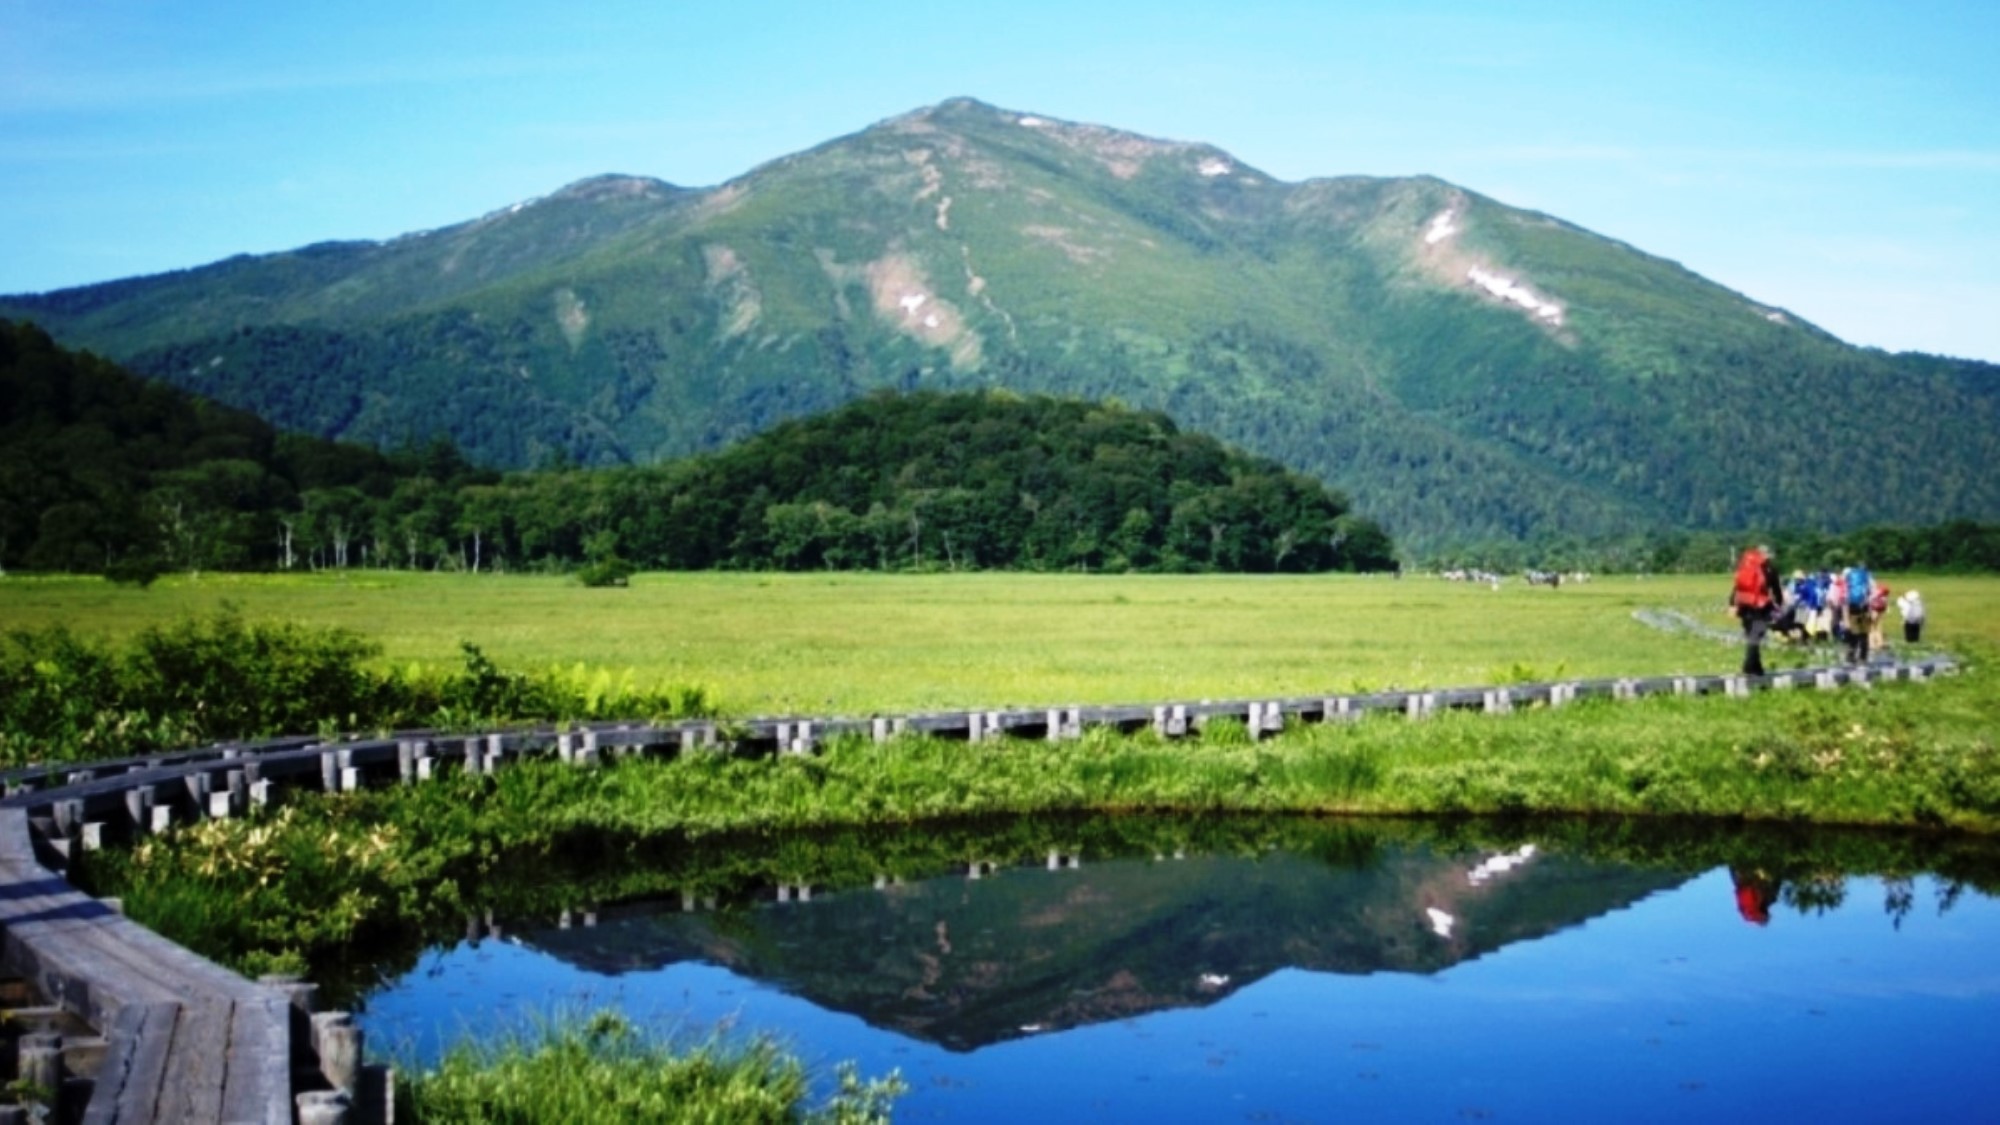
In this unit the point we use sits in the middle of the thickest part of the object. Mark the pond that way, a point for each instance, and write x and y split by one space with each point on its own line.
1289 971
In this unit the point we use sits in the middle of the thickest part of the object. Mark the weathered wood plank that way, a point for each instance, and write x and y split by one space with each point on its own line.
257 1086
197 1064
135 1067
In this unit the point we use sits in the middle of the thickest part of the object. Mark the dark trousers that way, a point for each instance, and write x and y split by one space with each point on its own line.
1756 627
1857 636
1913 631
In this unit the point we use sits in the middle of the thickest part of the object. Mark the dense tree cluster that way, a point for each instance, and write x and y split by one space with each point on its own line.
100 471
103 472
983 480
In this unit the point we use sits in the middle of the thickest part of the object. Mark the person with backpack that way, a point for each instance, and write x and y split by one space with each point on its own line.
1805 598
1836 605
1756 599
1878 613
1911 605
1858 592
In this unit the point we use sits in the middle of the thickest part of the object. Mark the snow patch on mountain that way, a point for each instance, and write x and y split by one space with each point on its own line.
1442 227
1507 289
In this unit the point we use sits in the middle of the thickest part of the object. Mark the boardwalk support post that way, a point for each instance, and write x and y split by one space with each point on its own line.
339 1043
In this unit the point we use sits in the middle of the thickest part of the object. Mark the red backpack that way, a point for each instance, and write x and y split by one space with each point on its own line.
1751 593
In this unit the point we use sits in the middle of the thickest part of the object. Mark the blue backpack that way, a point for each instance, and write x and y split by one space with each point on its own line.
1859 583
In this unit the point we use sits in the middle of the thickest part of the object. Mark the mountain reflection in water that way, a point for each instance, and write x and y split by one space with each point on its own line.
966 961
1132 969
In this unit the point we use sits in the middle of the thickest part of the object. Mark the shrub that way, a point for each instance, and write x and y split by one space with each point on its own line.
64 698
606 572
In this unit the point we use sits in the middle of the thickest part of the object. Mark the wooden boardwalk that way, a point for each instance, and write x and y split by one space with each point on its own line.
181 1039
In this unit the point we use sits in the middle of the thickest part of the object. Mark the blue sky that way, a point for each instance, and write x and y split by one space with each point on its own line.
1841 160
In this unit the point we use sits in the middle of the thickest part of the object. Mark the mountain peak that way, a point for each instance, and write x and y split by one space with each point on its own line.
1121 152
612 185
1465 369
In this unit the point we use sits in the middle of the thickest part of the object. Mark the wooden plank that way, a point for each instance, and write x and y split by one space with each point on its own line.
197 1064
134 1071
257 1086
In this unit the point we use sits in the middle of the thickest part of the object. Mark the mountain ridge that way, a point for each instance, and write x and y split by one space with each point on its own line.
1463 369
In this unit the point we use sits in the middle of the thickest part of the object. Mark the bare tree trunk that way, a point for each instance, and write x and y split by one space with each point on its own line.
1287 540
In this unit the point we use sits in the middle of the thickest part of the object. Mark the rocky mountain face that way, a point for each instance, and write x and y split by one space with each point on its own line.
1463 369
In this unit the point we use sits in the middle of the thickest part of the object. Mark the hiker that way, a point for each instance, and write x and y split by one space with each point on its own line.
1756 599
1856 586
1911 606
1805 599
1836 606
1878 614
1756 893
1823 598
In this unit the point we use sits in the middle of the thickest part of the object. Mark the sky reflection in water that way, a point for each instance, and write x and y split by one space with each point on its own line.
1135 989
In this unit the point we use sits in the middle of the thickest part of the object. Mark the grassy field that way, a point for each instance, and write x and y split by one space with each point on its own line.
862 643
314 884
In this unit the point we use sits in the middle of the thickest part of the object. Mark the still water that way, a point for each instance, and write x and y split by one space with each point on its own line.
1382 975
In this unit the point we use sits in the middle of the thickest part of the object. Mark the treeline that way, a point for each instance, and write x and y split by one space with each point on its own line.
1956 546
102 472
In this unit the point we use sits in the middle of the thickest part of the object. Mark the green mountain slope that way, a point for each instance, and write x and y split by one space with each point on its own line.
1464 370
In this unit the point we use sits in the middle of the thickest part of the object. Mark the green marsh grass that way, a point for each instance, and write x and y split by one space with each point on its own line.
856 644
584 1070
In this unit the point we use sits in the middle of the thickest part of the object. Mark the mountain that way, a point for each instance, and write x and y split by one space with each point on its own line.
968 963
1464 370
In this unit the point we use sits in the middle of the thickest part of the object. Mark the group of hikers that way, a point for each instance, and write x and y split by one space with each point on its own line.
1846 605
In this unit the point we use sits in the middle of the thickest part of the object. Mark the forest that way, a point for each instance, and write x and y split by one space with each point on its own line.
103 472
